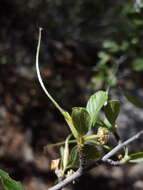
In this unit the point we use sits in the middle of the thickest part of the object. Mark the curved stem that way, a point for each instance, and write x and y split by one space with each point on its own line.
40 78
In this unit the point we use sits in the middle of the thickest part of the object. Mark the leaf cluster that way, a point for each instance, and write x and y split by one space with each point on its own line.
81 122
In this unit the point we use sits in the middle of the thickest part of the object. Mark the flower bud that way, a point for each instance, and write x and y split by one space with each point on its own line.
103 135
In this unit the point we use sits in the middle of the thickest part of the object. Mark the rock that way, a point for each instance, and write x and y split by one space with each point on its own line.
138 185
136 172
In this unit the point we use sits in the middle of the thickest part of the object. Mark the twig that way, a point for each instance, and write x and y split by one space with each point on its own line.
105 158
114 163
68 180
121 145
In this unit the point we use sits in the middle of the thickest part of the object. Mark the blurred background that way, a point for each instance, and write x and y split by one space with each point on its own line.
86 46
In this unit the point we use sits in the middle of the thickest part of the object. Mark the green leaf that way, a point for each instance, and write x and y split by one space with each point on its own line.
99 122
134 158
81 120
138 64
105 123
74 157
69 121
91 152
112 46
103 59
138 160
62 152
133 100
112 110
95 103
8 183
66 153
136 155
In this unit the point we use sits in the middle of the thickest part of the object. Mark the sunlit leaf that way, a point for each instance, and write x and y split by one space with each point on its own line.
62 151
135 157
81 120
138 64
138 160
95 103
8 183
66 153
69 121
107 124
112 46
112 110
104 58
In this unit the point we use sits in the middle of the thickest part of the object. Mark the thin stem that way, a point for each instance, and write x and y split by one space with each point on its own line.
59 144
114 163
121 145
40 78
91 137
102 145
